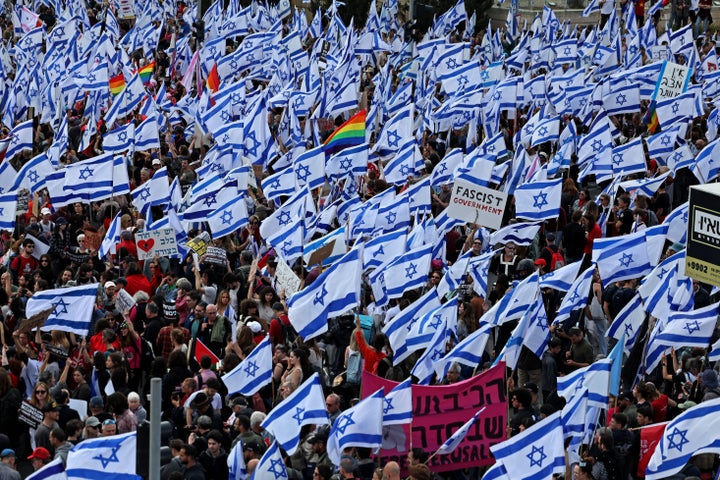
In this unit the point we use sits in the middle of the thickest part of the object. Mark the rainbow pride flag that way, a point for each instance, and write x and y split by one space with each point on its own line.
117 83
349 134
651 119
146 72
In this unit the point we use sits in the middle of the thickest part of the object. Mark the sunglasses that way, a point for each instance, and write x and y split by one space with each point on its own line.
108 422
40 391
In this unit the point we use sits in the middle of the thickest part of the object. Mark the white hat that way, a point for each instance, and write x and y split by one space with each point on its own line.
109 284
156 161
255 326
45 211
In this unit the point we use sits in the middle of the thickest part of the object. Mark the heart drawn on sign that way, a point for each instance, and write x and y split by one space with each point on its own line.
146 245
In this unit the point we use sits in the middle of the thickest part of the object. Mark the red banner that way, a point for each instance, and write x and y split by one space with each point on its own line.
438 411
649 438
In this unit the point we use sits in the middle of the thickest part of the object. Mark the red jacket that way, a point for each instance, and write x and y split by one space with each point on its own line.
371 356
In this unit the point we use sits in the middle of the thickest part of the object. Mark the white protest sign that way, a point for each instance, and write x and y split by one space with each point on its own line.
126 9
41 248
160 242
476 204
79 406
672 81
285 278
124 301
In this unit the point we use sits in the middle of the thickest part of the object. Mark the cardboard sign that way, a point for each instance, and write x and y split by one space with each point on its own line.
37 320
285 278
703 237
476 204
93 238
199 243
124 301
30 415
126 9
152 243
438 411
216 256
55 350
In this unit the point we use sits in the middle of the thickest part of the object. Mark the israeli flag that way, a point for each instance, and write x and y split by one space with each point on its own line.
54 470
72 308
32 174
8 205
521 234
423 369
628 322
397 409
400 325
384 248
253 373
119 139
359 426
562 278
629 158
576 297
535 453
104 457
595 378
306 405
468 352
408 271
309 168
112 237
21 138
621 258
688 329
538 201
456 438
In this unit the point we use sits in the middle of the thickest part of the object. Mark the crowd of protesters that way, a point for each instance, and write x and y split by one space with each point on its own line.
231 307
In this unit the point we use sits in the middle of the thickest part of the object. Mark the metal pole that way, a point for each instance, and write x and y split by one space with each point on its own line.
155 411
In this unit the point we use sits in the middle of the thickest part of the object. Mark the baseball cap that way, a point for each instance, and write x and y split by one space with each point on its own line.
8 452
92 422
40 452
540 262
109 284
50 407
255 326
45 211
156 161
254 446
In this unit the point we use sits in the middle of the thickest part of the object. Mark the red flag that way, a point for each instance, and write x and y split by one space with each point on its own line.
201 350
649 438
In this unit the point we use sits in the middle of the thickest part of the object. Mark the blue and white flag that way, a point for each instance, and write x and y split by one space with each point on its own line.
443 171
72 308
309 168
400 325
533 332
468 352
546 130
253 373
456 438
397 408
661 144
595 378
236 462
352 159
359 426
334 292
561 279
406 163
628 322
521 234
92 179
688 329
714 354
538 201
706 166
103 458
271 464
407 272
677 222
306 405
155 191
8 206
32 174
629 158
384 248
147 134
285 215
424 367
577 295
228 218
535 453
279 184
685 436
681 157
513 306
624 99
430 329
21 138
119 139
112 237
54 470
621 258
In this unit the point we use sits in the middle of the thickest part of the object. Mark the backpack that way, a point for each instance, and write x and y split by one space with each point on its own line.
354 368
289 334
147 355
556 259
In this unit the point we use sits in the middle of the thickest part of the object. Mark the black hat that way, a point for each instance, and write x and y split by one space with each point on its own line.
531 386
253 446
200 400
50 407
318 437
